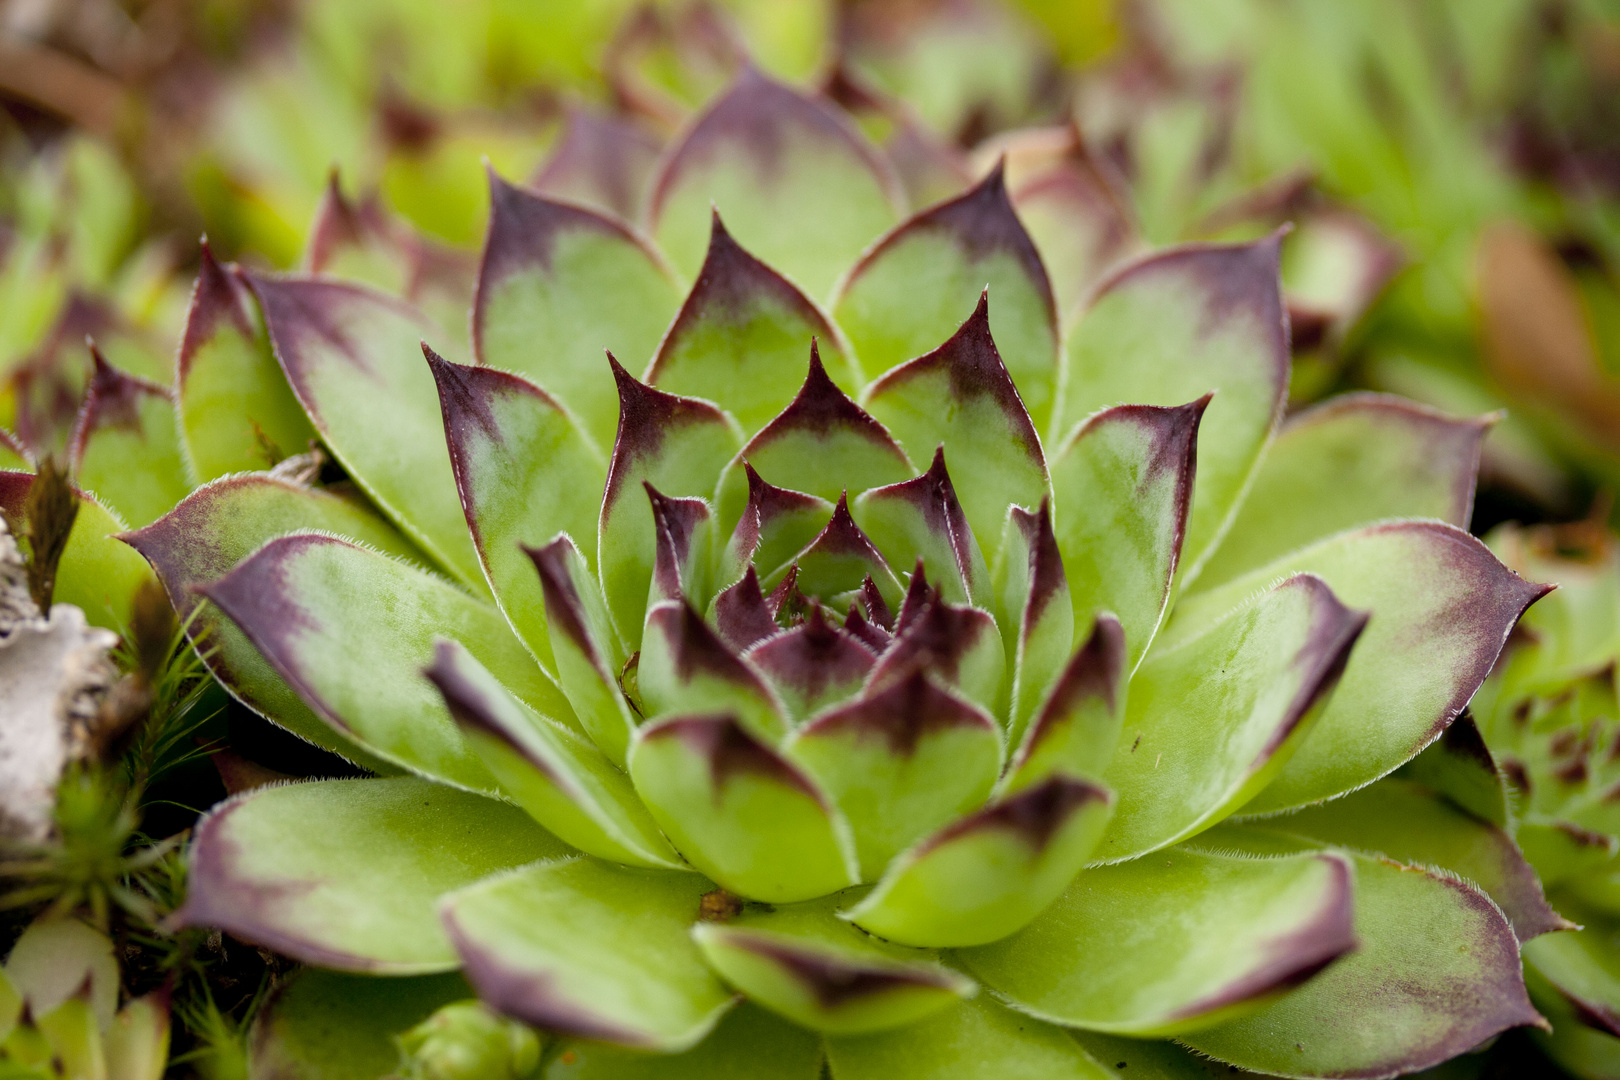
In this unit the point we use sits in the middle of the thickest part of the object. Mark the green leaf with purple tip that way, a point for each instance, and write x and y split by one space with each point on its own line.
921 519
909 291
525 472
1441 605
1174 943
601 160
358 892
354 358
1037 609
1211 722
558 285
564 782
958 645
683 534
125 446
686 667
960 396
741 335
900 763
1077 726
774 525
739 812
988 874
222 523
813 665
1351 461
1459 766
748 1043
798 184
312 604
585 948
1191 320
840 558
1579 964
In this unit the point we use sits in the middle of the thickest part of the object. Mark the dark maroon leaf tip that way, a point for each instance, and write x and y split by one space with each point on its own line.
565 612
721 741
696 649
646 416
1034 815
835 981
216 298
877 608
675 520
112 399
470 707
858 626
337 225
1046 575
935 638
820 409
814 657
1095 672
917 597
903 713
786 602
1322 658
934 498
607 155
742 615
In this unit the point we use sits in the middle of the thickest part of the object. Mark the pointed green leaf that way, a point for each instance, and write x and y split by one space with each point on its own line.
921 519
217 526
900 763
1211 722
682 547
983 877
1077 726
1124 483
1435 974
1442 606
819 971
125 446
958 645
358 890
1357 459
1580 964
601 160
774 525
586 948
1459 766
1037 609
1174 943
312 606
353 357
236 408
1172 327
812 665
909 290
960 396
799 185
564 782
739 812
525 473
678 445
840 558
685 667
747 1044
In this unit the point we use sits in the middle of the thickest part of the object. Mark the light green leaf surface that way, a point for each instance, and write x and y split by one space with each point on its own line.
922 519
126 446
748 1044
1037 609
1076 729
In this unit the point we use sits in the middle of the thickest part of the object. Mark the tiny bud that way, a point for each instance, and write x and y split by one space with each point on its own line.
719 906
465 1041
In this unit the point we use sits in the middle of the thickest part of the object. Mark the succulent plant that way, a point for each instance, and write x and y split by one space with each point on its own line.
868 682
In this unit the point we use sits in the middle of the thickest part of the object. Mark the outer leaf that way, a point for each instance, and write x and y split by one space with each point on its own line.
685 666
1436 974
978 1040
1078 725
1442 607
1354 460
740 336
564 782
799 185
901 763
229 386
908 291
525 472
1036 605
1210 723
125 446
989 874
351 357
1174 943
1079 220
589 949
357 891
1192 320
961 396
748 1043
222 523
738 811
312 606
1124 484
920 520
602 160
558 285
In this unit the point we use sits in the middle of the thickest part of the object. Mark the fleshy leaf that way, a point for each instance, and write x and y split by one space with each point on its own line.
977 1040
1459 766
985 876
686 667
920 519
1192 320
822 972
799 185
773 526
741 615
682 530
910 289
311 605
960 396
841 558
1124 483
1170 944
1442 606
582 947
358 890
959 645
900 764
222 523
601 160
558 285
352 357
1079 220
748 1043
1435 974
1357 459
1077 726
679 445
236 410
739 812
564 782
740 336
1580 965
812 665
823 443
125 446
525 473
1037 606
1211 722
